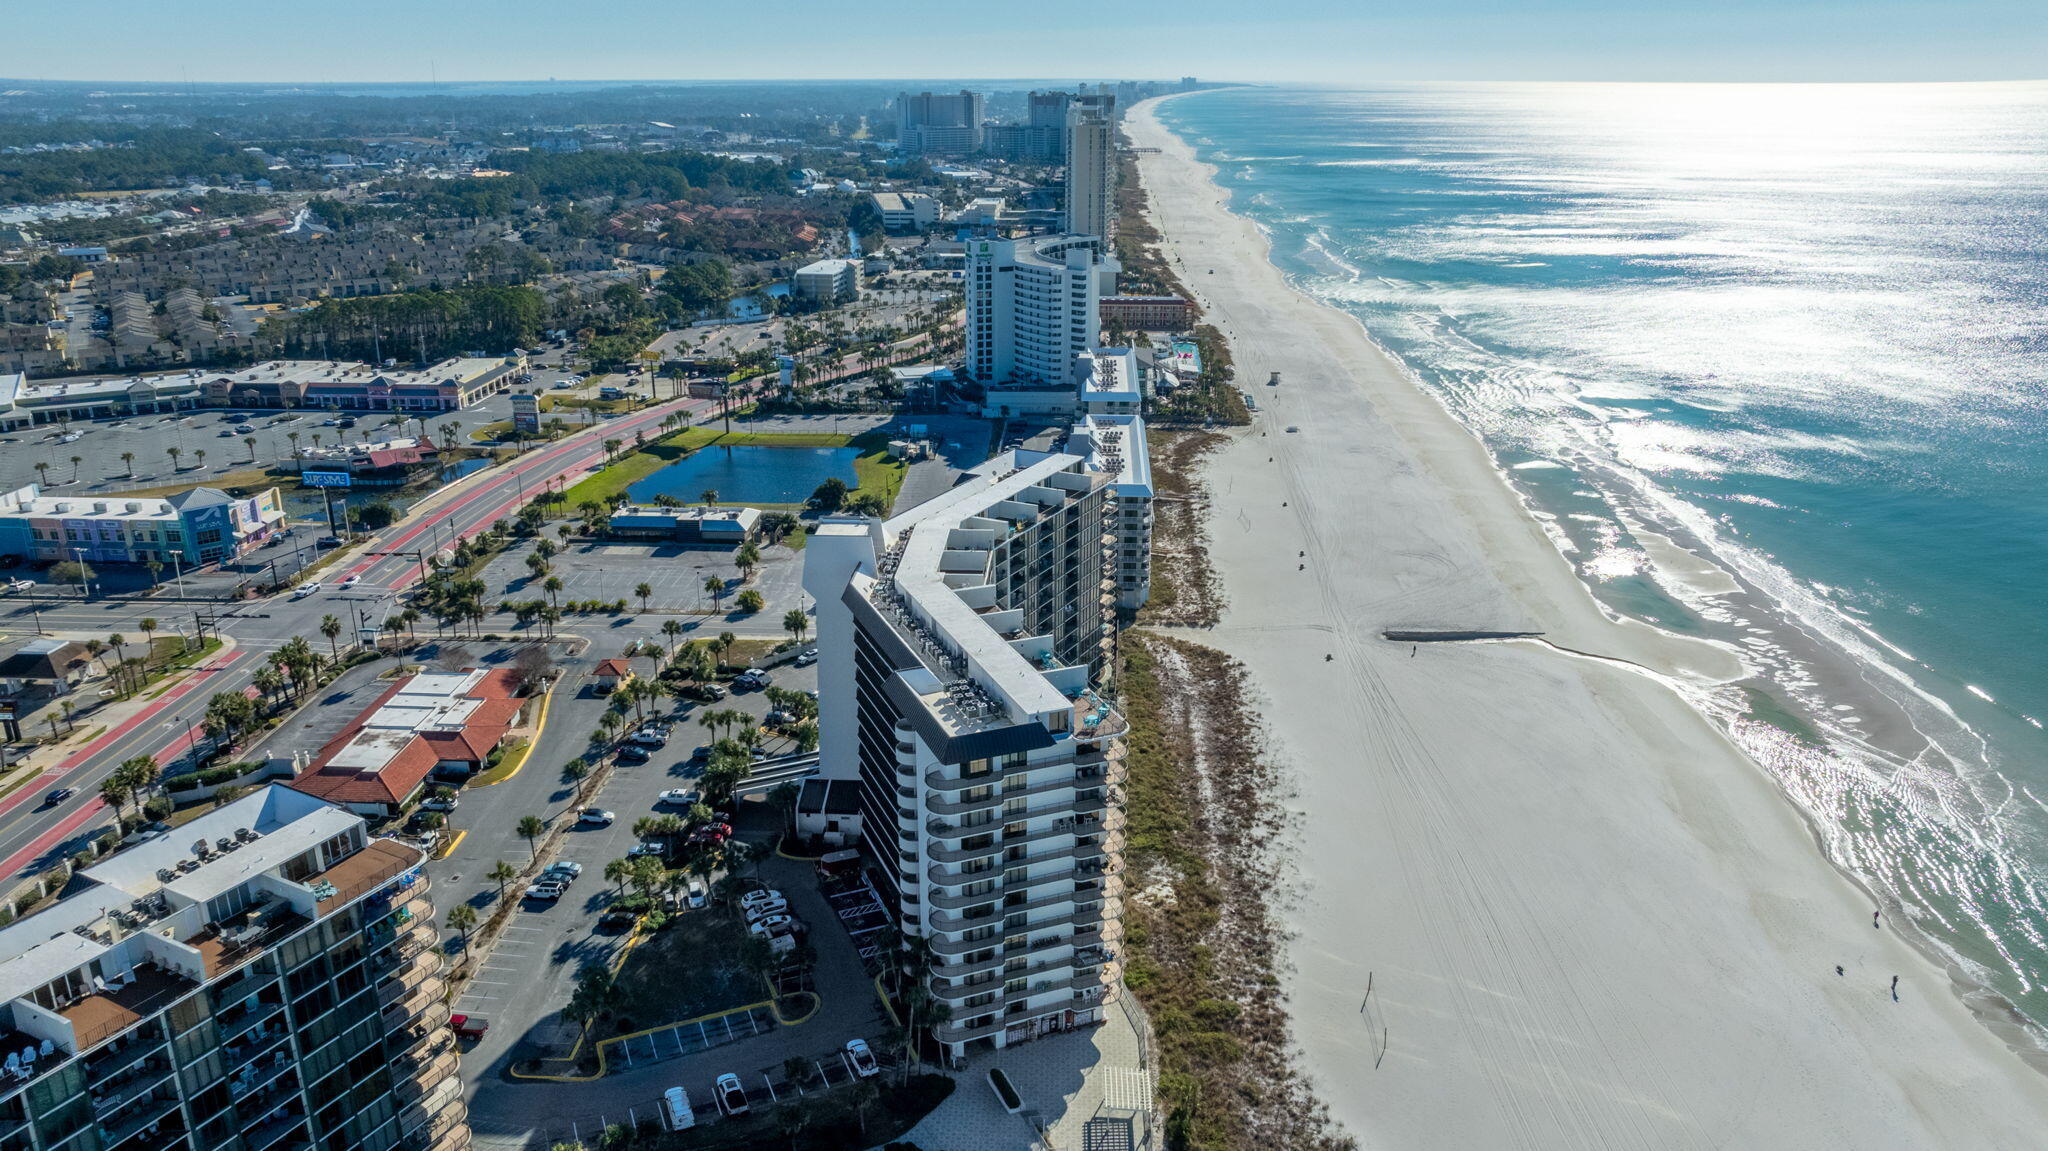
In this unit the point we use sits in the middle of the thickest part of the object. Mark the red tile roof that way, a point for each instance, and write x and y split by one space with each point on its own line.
614 668
409 767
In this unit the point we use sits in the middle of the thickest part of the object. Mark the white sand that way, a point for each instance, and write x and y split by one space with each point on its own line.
1588 920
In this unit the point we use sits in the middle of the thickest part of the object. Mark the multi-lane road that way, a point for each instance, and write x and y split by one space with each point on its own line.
34 833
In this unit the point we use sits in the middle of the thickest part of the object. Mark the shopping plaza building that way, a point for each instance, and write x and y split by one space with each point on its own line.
264 977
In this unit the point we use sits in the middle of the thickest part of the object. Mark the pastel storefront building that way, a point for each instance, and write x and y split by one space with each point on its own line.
201 526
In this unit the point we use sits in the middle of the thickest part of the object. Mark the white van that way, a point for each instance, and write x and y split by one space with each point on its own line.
677 1104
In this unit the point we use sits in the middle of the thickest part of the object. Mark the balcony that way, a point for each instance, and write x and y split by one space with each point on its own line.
374 866
272 1131
101 1016
998 910
413 1086
953 901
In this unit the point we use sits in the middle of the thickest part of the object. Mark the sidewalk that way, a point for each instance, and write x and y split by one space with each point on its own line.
1066 1081
120 717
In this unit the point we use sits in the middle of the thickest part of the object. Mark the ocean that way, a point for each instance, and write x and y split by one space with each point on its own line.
1797 332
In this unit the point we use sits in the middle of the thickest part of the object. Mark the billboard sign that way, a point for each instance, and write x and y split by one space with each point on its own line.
526 414
326 479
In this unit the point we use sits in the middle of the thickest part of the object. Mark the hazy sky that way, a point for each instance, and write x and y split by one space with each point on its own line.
1302 40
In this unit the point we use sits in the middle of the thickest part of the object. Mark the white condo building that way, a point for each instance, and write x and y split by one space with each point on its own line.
1032 307
963 648
1091 165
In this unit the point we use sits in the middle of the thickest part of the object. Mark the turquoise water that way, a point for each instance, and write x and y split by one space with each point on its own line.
748 474
1801 331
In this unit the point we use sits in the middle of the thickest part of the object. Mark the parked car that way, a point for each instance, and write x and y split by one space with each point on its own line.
772 925
778 719
567 867
680 797
712 833
701 753
676 1105
651 847
862 1059
763 911
806 658
470 1027
756 898
696 897
704 692
439 803
21 585
630 753
546 889
595 816
732 1098
227 433
647 737
753 678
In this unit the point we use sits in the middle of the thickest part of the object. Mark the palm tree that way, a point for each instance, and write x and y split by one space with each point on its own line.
646 592
174 453
709 496
43 471
250 443
331 628
796 623
293 437
747 559
531 827
673 630
715 588
155 566
128 461
461 918
553 587
199 458
619 871
75 461
502 873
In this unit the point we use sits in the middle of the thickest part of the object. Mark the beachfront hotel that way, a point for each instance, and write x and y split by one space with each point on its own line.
264 977
1032 307
1090 142
964 647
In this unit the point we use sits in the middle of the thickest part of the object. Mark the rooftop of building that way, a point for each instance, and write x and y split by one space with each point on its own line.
158 918
1115 446
835 267
980 670
388 750
29 501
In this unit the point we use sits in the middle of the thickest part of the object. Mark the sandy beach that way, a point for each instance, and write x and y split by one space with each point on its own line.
1585 918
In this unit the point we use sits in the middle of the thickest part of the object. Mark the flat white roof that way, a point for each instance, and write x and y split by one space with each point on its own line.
432 701
921 575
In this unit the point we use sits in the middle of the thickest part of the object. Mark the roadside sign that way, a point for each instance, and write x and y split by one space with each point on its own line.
326 479
526 413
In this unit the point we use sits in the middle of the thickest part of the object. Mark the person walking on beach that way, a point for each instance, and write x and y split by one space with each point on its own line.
1838 969
1873 918
1895 989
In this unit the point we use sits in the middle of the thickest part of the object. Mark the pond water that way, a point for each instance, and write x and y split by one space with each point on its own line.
748 474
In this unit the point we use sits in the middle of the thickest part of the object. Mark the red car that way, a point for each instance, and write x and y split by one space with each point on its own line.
471 1027
712 833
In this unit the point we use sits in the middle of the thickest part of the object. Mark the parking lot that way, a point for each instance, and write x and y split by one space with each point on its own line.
610 571
149 439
